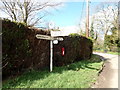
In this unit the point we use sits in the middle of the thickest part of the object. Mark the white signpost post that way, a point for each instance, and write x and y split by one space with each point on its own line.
52 40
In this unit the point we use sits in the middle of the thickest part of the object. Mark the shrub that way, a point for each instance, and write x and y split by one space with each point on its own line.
15 45
74 35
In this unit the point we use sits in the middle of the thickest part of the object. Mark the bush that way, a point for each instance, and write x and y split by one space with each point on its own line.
74 35
15 46
20 42
76 48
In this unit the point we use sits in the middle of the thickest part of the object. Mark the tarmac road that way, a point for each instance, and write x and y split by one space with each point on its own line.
108 78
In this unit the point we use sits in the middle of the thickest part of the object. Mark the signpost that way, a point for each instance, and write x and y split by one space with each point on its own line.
51 55
52 40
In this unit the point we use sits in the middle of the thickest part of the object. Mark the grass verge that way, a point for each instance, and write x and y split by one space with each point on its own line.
109 52
76 75
114 53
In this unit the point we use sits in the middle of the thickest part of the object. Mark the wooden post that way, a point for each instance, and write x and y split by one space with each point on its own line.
87 19
51 55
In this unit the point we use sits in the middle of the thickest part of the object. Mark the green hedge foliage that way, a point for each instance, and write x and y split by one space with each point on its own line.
15 46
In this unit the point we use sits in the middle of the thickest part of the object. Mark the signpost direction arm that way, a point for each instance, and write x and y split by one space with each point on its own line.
39 36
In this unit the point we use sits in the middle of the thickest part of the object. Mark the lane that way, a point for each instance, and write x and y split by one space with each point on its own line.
109 76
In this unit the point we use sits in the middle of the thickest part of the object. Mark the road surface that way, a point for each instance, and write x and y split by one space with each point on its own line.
108 78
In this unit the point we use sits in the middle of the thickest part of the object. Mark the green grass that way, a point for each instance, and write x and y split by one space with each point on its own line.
109 52
114 53
77 75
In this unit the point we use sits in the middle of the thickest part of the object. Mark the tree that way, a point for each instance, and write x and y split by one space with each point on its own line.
27 11
107 18
92 30
112 41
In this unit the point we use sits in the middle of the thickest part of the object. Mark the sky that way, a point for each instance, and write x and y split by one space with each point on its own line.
69 16
70 13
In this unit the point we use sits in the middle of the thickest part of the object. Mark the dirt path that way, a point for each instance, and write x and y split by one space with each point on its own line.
108 78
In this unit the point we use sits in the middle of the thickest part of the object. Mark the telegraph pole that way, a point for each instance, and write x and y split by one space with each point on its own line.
87 19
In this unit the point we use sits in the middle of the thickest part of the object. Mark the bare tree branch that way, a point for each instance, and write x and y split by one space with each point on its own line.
23 11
